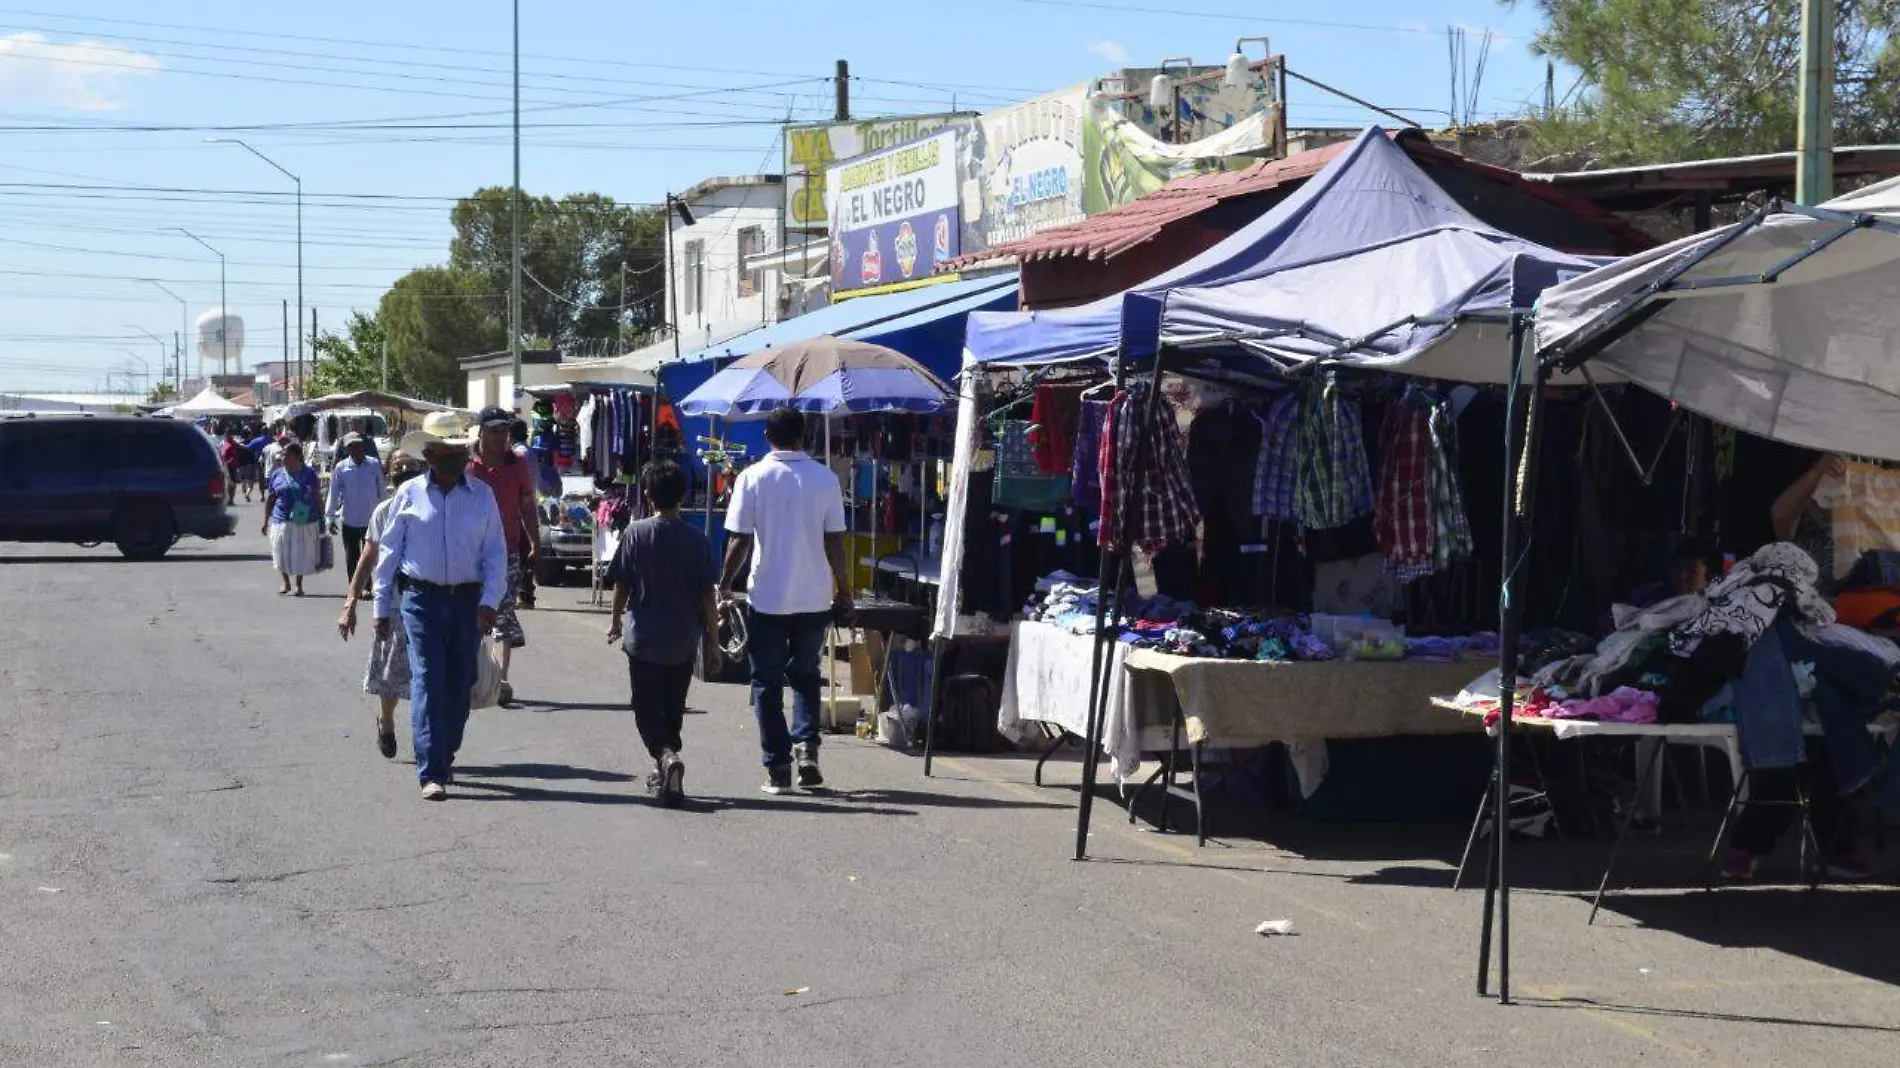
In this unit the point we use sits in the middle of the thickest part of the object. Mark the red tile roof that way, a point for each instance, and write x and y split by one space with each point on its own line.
1126 226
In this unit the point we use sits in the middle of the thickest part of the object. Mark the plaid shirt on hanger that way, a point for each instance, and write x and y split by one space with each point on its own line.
1403 520
1161 494
1276 473
1335 480
1451 527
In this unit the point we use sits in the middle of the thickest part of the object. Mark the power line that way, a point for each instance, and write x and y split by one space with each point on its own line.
1234 16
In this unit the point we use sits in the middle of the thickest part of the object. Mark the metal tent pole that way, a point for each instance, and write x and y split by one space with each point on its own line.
1519 501
1092 731
1127 467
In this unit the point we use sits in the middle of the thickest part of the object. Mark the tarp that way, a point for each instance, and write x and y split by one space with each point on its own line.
208 402
909 311
366 398
1370 261
1803 347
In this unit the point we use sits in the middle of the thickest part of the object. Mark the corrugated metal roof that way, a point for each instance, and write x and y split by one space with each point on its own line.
1112 232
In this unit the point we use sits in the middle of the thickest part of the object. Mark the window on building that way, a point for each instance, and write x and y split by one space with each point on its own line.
751 246
693 279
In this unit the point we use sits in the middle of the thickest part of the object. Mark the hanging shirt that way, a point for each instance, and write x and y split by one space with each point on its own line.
1335 482
1056 412
1402 517
1085 466
1276 470
1154 501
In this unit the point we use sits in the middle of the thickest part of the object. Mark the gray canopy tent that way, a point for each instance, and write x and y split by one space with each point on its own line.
1782 325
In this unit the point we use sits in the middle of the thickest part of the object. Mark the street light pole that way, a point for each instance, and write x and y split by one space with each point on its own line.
514 225
224 314
299 184
184 331
154 337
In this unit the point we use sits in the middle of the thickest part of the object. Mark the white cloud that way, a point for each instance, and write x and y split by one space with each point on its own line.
1112 51
81 76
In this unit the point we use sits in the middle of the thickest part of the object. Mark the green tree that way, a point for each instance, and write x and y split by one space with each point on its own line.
162 393
573 254
1691 79
353 359
435 317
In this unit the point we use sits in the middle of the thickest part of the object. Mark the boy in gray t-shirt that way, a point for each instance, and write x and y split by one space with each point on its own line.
663 578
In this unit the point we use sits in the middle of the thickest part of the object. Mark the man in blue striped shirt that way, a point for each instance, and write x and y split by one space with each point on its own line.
444 564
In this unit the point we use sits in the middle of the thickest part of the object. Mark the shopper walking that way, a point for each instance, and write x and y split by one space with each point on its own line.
442 566
293 519
231 455
512 480
663 577
356 486
787 513
387 676
253 473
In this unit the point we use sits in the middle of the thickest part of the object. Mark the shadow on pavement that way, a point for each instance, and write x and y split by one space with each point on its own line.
184 558
529 704
1697 1014
1849 929
541 771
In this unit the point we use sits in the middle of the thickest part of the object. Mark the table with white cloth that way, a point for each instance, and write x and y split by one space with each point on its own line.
1047 681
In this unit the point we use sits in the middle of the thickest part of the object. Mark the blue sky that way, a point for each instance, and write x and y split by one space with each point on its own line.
626 99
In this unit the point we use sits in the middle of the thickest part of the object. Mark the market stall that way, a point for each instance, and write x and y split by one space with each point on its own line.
1780 325
1390 272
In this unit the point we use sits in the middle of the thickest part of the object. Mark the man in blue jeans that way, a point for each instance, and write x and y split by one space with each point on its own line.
442 559
787 513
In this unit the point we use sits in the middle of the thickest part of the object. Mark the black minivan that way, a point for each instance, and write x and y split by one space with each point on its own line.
139 482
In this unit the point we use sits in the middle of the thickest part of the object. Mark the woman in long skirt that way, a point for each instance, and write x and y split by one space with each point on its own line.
294 519
387 676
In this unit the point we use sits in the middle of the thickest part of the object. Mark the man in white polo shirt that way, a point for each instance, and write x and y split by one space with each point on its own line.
787 512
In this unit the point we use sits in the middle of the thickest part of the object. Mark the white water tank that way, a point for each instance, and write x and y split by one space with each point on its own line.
220 340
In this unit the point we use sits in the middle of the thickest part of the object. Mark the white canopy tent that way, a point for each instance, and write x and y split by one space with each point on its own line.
210 403
1785 325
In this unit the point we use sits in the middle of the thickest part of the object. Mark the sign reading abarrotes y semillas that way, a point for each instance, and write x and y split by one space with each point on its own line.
894 215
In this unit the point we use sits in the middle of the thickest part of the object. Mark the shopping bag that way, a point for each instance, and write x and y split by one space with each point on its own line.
486 693
326 552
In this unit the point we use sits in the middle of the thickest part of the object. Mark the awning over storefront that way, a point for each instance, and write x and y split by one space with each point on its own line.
911 311
1784 325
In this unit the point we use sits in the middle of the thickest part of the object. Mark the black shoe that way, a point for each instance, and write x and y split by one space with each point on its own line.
809 776
386 742
672 779
653 782
778 779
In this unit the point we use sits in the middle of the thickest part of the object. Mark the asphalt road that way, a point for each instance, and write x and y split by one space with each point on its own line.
204 862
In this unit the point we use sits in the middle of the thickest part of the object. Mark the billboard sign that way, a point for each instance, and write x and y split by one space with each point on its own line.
811 150
893 214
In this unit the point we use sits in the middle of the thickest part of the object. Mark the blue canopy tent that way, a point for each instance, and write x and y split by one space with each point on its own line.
1369 264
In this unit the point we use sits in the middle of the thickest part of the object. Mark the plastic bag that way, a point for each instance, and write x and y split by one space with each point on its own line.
486 693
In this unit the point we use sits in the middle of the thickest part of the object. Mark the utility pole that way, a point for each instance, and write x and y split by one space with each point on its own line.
178 361
385 385
514 218
1814 139
289 367
843 86
304 386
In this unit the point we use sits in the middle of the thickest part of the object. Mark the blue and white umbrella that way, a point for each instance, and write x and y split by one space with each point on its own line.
823 375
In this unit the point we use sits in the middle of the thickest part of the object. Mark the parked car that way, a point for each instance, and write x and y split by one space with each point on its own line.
567 530
136 481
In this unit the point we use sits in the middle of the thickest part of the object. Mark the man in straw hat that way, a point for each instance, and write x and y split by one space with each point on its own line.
443 567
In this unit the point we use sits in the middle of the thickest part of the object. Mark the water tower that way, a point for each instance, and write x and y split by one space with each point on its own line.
220 340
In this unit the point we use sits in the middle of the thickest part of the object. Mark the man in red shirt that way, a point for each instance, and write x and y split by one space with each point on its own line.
512 480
